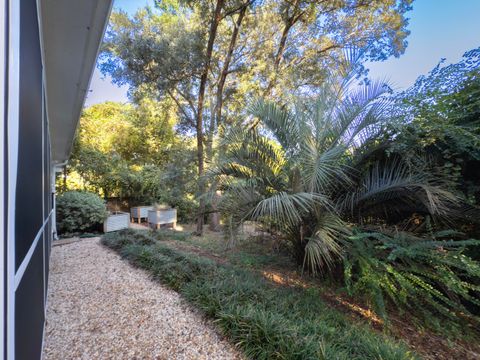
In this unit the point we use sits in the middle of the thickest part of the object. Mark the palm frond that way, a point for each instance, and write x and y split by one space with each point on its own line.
239 201
279 121
251 155
361 111
322 170
323 248
288 208
393 187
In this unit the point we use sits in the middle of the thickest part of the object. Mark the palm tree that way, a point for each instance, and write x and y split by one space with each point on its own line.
306 169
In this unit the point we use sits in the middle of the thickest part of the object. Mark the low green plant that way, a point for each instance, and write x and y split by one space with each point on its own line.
119 239
79 212
170 235
88 235
265 321
249 260
432 278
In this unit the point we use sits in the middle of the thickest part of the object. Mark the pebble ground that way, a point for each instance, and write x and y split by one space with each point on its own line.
100 307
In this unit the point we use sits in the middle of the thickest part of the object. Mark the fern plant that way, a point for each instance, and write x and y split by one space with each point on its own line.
429 277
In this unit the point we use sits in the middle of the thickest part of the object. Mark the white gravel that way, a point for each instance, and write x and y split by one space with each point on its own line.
100 307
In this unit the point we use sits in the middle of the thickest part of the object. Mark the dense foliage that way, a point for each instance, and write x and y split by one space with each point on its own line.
440 116
309 171
133 154
310 168
79 212
265 321
431 276
259 111
229 51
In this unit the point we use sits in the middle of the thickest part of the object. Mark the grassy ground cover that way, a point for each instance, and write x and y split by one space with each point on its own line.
264 320
437 339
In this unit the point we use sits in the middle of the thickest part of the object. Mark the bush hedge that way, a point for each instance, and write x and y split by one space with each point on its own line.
79 212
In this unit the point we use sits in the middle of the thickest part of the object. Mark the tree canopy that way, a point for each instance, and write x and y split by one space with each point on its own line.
229 51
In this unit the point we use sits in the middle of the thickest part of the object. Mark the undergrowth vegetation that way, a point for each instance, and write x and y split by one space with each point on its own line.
325 177
430 278
265 321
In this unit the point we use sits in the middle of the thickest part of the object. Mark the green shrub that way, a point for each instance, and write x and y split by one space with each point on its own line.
432 278
265 321
79 212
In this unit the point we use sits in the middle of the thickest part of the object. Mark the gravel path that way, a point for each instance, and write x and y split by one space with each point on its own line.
100 307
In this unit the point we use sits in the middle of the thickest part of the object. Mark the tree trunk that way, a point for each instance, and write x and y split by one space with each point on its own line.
199 123
289 22
226 64
211 132
215 216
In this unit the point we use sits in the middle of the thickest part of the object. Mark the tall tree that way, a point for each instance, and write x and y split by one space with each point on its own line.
214 22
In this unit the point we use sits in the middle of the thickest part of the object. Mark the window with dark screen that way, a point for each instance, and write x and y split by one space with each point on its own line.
32 182
29 194
46 168
29 309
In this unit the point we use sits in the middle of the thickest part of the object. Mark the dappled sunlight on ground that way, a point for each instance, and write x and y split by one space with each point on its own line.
144 226
286 280
282 279
364 312
179 227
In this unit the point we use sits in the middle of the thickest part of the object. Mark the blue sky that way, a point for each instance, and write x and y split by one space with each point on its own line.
439 29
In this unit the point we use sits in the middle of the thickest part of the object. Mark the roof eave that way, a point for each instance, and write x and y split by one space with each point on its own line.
71 35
